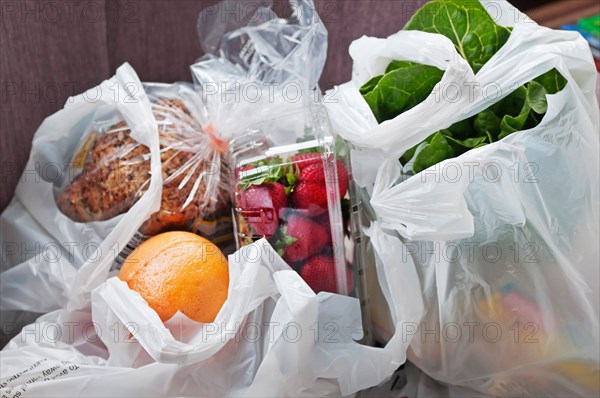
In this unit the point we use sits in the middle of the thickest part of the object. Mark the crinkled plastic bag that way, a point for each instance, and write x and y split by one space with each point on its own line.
116 346
503 238
273 336
86 172
110 170
49 259
257 65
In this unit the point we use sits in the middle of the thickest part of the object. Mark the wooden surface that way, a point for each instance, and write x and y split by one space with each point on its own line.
52 50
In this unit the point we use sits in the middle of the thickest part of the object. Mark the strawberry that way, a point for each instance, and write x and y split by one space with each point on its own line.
261 206
342 178
301 160
319 274
300 238
326 223
310 191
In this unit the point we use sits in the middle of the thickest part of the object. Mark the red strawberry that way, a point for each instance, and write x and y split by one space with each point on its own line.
305 159
342 178
326 223
319 274
301 238
310 191
261 207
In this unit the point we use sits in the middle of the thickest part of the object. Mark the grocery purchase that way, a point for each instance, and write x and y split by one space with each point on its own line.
426 225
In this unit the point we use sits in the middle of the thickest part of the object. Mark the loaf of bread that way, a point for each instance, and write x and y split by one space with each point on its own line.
116 172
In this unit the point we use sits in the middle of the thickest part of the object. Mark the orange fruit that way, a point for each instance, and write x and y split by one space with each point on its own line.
179 271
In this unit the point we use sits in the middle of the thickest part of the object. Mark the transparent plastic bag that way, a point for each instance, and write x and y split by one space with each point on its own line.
273 337
288 187
500 241
56 261
512 308
254 61
112 343
110 170
89 158
257 65
354 120
120 346
259 79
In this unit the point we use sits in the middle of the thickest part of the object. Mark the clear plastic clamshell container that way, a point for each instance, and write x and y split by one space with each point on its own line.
289 186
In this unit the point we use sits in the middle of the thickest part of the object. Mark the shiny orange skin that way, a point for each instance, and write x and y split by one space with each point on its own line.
179 271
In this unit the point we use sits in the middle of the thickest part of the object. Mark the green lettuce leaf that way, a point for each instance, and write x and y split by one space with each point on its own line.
552 81
467 24
461 146
405 85
512 124
536 97
433 152
461 130
487 122
522 109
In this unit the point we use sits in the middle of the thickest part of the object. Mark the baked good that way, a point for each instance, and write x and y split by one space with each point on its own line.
116 172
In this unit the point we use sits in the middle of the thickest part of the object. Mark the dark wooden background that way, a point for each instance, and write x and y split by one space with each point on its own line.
52 50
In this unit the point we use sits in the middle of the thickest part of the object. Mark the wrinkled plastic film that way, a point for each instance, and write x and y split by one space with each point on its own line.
434 220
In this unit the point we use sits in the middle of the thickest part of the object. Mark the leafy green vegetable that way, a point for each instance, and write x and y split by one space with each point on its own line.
487 122
404 85
552 81
467 24
522 109
370 85
536 97
397 65
432 152
469 143
512 104
512 124
477 39
460 130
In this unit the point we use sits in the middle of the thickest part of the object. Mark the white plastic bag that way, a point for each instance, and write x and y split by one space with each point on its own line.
50 231
107 349
353 119
273 337
51 260
503 238
513 308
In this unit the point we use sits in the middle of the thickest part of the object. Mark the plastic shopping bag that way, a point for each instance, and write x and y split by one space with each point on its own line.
273 337
257 65
503 238
258 82
78 186
44 248
108 349
505 307
109 170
